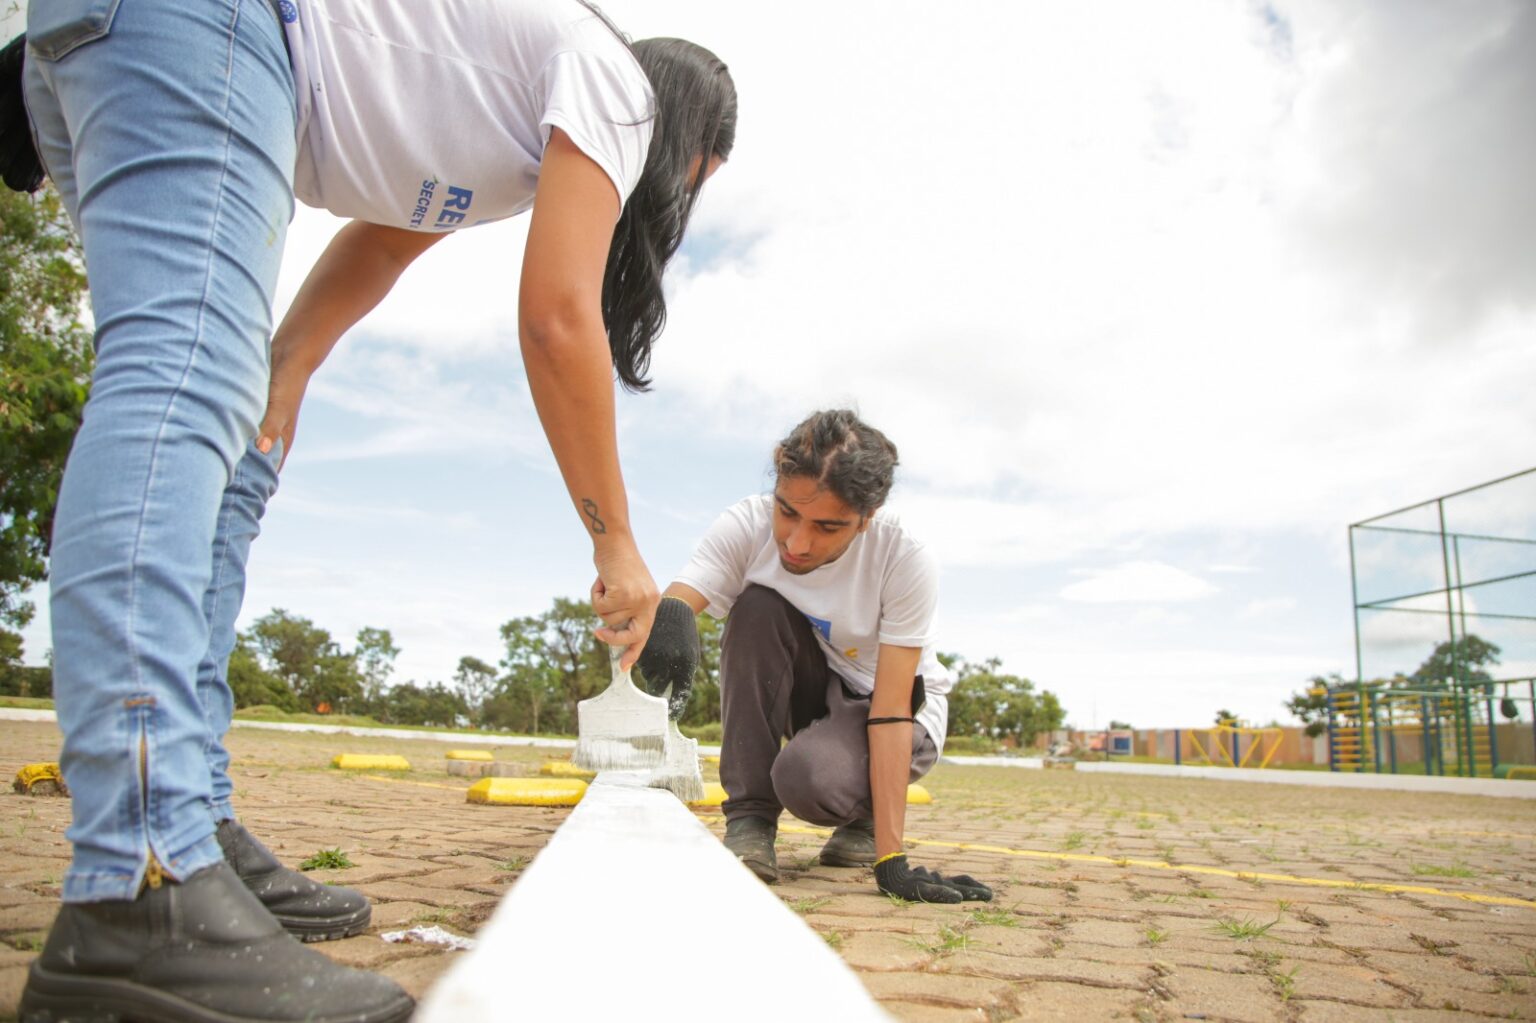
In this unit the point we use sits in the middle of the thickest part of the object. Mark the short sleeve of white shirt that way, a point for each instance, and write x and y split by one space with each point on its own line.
593 100
718 568
911 592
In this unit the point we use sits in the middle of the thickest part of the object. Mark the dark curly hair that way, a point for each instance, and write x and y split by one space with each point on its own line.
843 454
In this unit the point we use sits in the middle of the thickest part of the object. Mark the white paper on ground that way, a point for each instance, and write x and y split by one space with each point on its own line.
634 910
430 936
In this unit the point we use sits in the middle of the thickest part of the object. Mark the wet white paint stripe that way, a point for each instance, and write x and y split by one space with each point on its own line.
635 911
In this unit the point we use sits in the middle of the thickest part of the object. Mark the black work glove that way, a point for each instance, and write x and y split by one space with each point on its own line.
671 655
897 877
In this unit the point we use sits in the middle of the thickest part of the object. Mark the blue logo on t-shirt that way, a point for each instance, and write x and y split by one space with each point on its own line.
287 11
821 626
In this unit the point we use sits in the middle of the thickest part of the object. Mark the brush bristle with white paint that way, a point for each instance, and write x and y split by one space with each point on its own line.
620 729
679 770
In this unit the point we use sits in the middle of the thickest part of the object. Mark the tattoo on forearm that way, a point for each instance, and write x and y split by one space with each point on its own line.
589 508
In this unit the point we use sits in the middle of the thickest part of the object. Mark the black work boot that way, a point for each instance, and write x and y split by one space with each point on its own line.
201 951
308 910
851 845
751 839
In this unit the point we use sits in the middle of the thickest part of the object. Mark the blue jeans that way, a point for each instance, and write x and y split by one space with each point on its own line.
168 129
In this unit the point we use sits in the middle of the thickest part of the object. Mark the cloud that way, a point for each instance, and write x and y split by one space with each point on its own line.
1105 297
1268 607
1148 582
1414 153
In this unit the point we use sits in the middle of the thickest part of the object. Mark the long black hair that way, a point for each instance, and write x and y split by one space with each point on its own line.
20 167
695 120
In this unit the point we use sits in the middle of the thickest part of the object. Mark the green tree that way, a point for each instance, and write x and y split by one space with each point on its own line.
407 703
476 681
531 681
255 686
987 702
305 658
1310 705
552 662
375 654
1462 659
1226 717
45 367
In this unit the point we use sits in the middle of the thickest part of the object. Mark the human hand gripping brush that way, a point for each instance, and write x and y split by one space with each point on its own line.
620 729
667 666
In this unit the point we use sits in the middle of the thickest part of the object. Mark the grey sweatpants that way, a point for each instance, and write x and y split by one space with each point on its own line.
775 684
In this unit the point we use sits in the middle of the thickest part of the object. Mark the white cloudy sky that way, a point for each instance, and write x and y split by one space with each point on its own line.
1154 298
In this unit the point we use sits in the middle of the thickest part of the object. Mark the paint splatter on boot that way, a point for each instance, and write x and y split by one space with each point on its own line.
199 951
307 909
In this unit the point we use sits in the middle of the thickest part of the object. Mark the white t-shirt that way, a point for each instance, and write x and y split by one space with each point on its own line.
432 115
883 589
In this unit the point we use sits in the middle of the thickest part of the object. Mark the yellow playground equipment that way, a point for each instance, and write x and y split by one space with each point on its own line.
1227 745
1379 727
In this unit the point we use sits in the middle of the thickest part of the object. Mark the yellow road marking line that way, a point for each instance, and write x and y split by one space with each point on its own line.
1187 868
423 784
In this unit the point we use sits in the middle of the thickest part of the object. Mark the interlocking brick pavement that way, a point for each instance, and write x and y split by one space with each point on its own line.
1118 897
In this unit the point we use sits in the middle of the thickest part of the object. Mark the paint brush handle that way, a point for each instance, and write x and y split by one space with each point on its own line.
615 655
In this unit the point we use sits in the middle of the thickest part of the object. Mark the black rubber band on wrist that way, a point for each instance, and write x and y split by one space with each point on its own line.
888 721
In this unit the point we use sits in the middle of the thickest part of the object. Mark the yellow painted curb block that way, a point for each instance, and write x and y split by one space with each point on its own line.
470 754
565 769
1518 773
370 762
40 780
714 795
918 795
527 791
711 759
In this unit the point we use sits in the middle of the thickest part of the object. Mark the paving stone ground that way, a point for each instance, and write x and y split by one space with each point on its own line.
1118 897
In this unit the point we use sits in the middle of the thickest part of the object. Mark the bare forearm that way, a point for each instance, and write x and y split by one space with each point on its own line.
890 744
565 354
890 764
357 269
571 380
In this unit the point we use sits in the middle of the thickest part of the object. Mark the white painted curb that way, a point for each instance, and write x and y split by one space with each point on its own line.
405 733
1500 788
606 925
1029 763
459 738
1330 779
19 714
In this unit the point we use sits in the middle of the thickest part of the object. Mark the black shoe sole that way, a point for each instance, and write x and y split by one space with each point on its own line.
310 930
764 872
65 998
